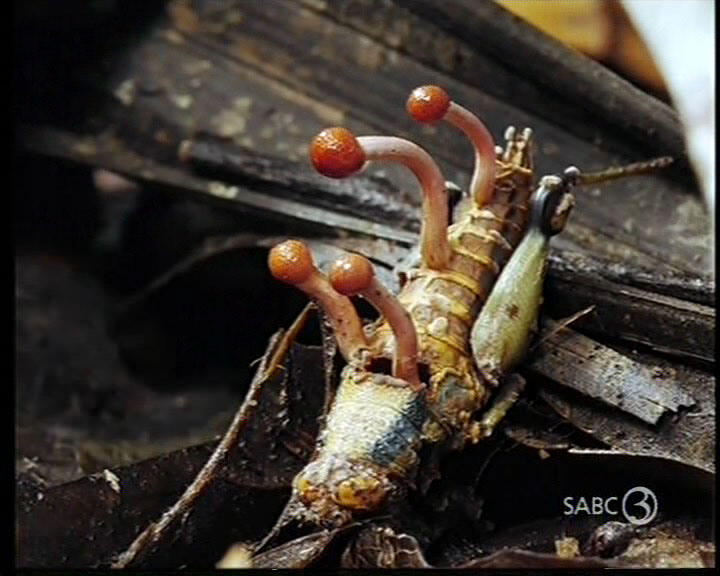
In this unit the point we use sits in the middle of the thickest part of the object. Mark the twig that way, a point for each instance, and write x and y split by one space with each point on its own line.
561 325
153 534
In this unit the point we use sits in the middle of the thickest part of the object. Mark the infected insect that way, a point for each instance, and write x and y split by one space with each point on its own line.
447 343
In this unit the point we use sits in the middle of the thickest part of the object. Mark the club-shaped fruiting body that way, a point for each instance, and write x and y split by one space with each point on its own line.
428 104
369 449
292 263
337 153
417 382
353 274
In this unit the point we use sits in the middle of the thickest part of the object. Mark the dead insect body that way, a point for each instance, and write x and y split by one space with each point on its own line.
424 370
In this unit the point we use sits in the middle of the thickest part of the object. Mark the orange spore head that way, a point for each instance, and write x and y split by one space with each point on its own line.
428 104
351 273
291 262
336 153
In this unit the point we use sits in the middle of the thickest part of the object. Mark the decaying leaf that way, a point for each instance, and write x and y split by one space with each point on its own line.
243 495
600 372
298 553
688 436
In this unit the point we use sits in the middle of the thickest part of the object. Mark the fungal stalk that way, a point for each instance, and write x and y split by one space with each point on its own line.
291 262
353 274
337 153
428 104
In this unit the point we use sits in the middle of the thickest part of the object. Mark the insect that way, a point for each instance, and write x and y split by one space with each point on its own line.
436 367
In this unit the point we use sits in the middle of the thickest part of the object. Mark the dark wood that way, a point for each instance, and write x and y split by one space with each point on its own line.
368 83
567 79
665 323
647 392
103 513
113 155
682 286
377 201
688 437
270 75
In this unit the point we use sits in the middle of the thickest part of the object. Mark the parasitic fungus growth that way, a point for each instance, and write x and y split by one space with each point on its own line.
291 262
337 153
428 104
353 274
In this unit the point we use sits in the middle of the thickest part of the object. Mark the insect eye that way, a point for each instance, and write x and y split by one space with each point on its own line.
360 493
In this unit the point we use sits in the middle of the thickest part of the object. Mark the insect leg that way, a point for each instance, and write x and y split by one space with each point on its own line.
508 394
502 331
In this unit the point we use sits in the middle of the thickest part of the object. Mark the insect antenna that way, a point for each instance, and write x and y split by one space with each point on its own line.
615 172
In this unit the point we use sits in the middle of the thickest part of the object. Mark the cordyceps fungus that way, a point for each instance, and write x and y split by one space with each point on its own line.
428 104
337 153
353 274
291 262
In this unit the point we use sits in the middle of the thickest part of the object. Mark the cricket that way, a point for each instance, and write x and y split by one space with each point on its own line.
437 367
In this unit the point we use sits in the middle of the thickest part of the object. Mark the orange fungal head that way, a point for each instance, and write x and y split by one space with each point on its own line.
428 104
351 273
291 262
336 153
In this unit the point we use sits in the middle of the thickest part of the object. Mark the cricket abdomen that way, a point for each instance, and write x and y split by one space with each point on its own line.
377 419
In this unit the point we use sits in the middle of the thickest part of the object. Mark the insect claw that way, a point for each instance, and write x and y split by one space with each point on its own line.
517 147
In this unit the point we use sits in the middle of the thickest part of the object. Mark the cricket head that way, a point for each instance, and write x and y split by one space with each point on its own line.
553 199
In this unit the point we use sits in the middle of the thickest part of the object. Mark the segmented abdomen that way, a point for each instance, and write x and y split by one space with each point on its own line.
444 304
378 419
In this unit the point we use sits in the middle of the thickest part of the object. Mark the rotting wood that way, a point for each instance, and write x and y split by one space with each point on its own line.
111 154
270 103
396 25
562 72
360 196
688 436
664 323
280 39
602 373
377 200
682 286
192 81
